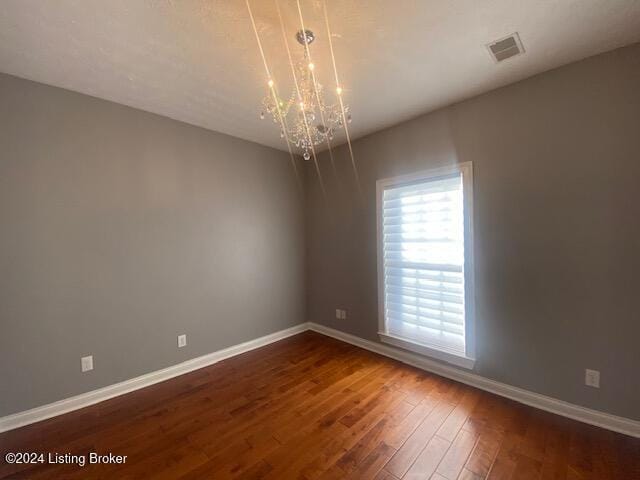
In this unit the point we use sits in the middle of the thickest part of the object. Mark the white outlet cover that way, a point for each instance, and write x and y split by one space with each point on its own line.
344 315
86 363
592 378
338 313
182 341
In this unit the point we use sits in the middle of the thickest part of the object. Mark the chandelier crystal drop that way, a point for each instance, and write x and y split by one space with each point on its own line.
308 119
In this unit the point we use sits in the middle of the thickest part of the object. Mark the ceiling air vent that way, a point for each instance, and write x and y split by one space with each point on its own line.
506 47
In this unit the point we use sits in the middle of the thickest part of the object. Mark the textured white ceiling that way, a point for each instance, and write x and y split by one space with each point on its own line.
197 60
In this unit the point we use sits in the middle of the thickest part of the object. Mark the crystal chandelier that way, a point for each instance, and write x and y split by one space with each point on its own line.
307 118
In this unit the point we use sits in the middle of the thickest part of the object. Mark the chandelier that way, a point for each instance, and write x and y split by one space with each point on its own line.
305 115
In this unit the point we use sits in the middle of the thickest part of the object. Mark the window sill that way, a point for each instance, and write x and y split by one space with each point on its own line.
454 359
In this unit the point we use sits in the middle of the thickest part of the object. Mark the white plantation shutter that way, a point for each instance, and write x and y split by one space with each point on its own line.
422 228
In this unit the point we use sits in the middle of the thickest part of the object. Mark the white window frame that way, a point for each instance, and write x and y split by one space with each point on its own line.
466 170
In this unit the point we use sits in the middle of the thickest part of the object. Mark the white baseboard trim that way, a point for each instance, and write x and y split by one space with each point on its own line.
543 402
38 414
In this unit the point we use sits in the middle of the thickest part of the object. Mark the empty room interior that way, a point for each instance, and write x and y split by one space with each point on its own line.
320 239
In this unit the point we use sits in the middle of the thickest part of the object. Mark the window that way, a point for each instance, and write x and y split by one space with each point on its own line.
425 270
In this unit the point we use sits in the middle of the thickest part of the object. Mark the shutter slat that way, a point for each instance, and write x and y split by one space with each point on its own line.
445 208
426 322
423 266
407 229
419 312
427 294
450 311
444 277
428 286
418 218
404 257
395 246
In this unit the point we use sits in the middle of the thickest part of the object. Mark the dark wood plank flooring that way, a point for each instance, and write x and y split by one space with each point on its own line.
310 407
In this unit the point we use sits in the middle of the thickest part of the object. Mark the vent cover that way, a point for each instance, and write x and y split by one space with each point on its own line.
506 47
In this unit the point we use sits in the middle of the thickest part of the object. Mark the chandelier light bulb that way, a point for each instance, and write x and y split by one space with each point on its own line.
311 66
301 106
270 83
339 90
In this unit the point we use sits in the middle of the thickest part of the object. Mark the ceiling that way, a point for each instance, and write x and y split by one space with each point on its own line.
197 60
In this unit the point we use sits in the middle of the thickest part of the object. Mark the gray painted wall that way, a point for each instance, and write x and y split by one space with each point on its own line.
557 227
121 229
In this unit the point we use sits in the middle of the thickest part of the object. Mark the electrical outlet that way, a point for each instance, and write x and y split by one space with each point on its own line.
86 363
338 313
592 378
344 315
182 341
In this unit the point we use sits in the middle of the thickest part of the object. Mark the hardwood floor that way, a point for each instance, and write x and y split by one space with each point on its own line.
311 407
